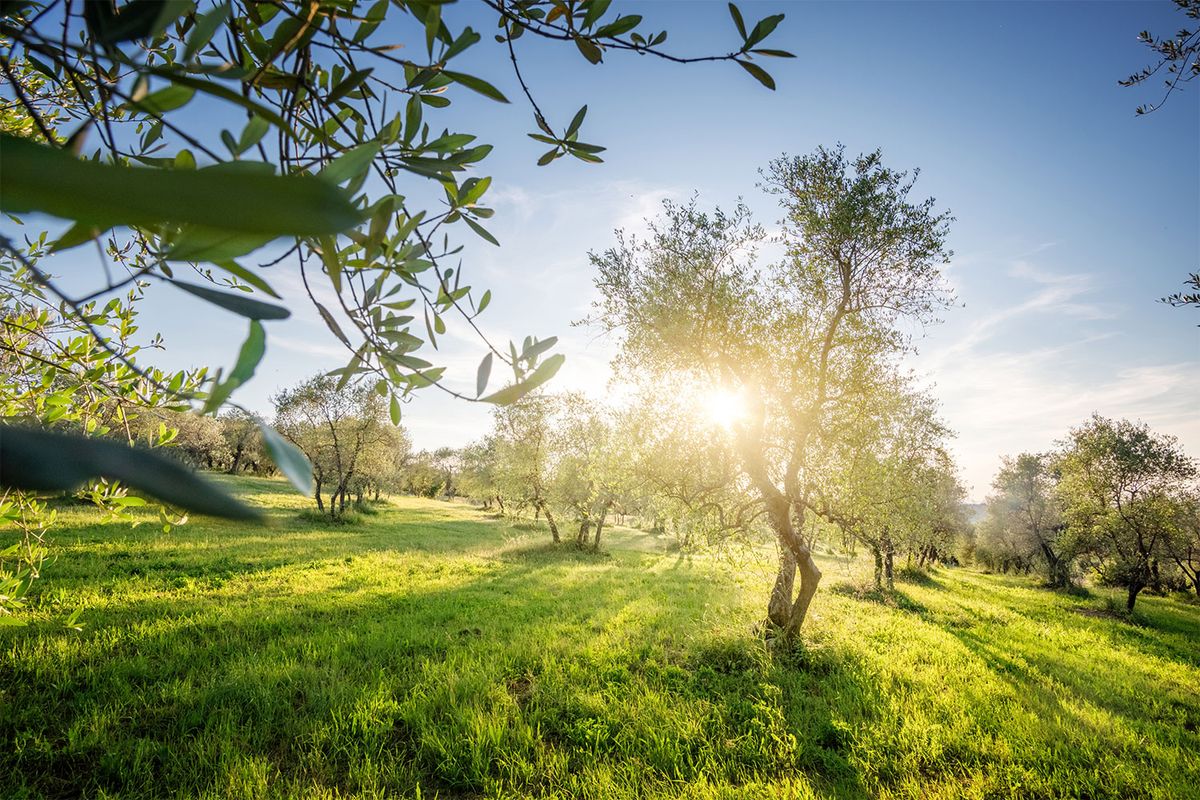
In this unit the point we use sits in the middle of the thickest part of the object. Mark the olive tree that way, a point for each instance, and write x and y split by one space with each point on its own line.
1025 500
589 465
1183 537
1177 58
685 469
1118 487
522 435
890 484
334 428
860 257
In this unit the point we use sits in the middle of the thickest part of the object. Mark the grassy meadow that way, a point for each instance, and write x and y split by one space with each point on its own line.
435 651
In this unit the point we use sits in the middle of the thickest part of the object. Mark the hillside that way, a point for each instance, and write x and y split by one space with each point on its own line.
435 651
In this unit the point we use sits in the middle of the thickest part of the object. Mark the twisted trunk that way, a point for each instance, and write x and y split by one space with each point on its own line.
779 609
543 508
800 561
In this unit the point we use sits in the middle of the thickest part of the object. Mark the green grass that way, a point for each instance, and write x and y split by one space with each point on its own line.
433 651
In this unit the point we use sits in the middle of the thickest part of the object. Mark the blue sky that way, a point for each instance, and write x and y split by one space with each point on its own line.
1073 215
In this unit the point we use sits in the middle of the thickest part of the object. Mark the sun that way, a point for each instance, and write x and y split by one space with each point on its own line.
723 406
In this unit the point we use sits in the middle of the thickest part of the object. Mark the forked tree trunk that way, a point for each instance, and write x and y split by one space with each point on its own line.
801 561
320 502
585 528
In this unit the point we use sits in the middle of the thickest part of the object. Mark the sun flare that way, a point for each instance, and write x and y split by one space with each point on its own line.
723 407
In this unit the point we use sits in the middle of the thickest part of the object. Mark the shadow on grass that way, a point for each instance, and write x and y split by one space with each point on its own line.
1039 673
363 660
891 598
919 577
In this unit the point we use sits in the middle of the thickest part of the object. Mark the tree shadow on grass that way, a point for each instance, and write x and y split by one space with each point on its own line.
1059 687
890 598
495 670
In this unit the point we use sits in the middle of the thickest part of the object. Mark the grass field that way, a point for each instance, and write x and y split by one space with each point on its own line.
433 651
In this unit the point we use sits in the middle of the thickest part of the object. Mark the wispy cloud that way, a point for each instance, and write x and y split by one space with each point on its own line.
1003 396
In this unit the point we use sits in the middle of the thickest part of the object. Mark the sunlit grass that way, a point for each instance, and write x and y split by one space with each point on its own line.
435 647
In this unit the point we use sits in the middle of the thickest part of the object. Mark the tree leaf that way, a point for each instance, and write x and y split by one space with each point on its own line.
595 10
349 84
201 243
351 164
166 99
202 32
237 303
589 49
759 74
482 231
137 19
236 269
763 29
619 26
576 121
485 372
41 178
737 20
78 234
476 84
43 461
332 324
291 462
248 360
511 394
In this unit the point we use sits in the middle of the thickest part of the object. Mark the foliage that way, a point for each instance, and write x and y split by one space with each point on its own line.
523 472
890 484
74 369
1179 54
1027 523
335 162
1120 481
1191 298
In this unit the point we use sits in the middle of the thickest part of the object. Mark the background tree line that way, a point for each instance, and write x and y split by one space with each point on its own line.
1113 499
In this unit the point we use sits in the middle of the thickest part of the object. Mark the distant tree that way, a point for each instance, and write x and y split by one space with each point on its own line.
478 469
860 256
1026 502
890 485
1183 537
1180 55
199 441
447 461
420 476
381 464
684 471
334 426
1119 481
589 466
242 438
1000 546
522 434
